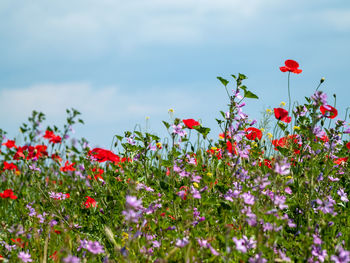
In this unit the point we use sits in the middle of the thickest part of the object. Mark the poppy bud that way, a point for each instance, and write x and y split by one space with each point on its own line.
322 80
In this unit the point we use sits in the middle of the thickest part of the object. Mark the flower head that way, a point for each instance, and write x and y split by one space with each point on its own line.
90 202
190 123
25 257
328 111
253 133
291 66
282 115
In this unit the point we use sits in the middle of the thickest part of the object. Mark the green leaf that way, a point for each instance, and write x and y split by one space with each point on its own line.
244 88
282 125
202 130
241 76
251 95
223 81
167 125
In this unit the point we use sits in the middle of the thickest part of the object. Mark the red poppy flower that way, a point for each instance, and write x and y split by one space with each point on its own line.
341 161
348 145
90 202
216 152
56 157
291 66
8 193
190 123
31 152
67 167
97 174
285 142
9 144
253 133
328 111
10 166
18 242
222 136
102 155
54 256
323 138
52 137
282 115
231 148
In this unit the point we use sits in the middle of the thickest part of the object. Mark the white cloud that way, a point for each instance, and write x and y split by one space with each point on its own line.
94 25
98 105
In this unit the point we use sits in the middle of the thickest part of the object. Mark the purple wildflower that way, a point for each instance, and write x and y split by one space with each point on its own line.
95 247
248 198
177 129
343 195
282 168
279 201
131 215
318 253
244 244
182 242
133 202
25 257
319 98
71 259
343 256
257 259
195 193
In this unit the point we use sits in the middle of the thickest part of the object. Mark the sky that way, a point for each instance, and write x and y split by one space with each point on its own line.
120 62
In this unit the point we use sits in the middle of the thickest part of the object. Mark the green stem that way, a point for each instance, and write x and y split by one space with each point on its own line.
289 97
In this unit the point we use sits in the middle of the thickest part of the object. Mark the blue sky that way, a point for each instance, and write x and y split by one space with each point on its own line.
120 61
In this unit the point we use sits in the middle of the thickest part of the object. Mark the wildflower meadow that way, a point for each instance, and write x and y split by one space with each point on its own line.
273 190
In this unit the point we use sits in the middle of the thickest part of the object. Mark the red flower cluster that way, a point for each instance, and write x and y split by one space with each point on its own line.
10 143
348 145
8 193
291 66
216 152
190 123
10 166
90 202
253 133
56 157
102 155
286 141
97 174
67 167
52 137
18 241
267 163
341 161
31 152
282 115
328 111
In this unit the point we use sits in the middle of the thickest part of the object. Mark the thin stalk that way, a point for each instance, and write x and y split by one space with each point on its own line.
289 97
